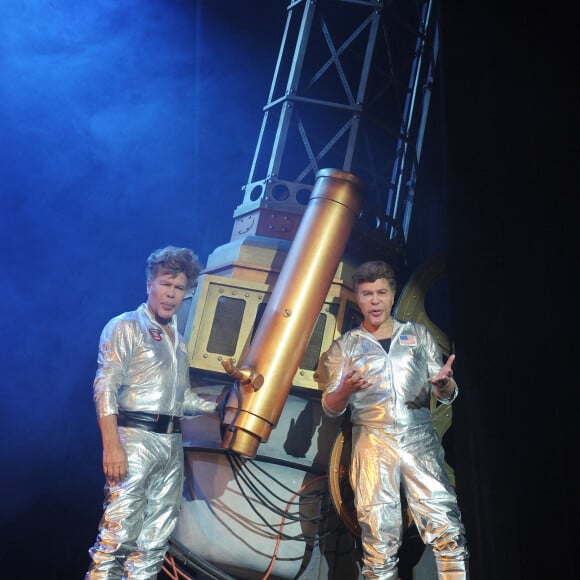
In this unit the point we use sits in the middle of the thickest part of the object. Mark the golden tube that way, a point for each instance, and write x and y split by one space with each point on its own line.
297 298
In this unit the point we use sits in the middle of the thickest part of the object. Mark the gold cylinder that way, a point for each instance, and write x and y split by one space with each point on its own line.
291 313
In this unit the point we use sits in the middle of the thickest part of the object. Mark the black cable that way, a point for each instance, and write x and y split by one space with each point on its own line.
251 504
248 473
273 508
302 495
237 465
300 537
192 560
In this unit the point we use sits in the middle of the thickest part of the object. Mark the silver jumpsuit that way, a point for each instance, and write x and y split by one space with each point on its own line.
141 369
395 447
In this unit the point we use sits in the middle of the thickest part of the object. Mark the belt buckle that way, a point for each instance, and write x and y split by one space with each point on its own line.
170 426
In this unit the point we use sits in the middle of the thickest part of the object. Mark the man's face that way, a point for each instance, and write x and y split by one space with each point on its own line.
375 300
166 292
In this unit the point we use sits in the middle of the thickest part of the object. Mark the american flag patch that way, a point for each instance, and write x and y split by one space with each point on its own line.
408 340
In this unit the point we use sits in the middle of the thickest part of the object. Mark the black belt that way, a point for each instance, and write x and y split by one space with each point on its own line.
149 421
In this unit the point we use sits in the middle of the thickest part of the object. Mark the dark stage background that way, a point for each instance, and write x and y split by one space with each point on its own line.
128 125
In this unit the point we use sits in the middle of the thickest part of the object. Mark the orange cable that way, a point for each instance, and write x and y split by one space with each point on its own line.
175 573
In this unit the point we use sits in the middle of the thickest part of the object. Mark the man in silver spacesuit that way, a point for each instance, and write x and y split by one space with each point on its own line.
141 392
386 371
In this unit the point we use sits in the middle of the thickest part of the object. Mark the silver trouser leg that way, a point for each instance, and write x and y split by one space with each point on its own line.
375 480
161 516
140 512
433 504
451 568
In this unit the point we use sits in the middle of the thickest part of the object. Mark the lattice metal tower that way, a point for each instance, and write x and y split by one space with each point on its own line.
351 90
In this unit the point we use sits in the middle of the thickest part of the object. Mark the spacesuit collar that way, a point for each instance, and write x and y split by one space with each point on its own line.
145 309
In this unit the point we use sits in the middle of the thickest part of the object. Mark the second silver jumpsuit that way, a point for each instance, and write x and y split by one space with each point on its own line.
395 447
